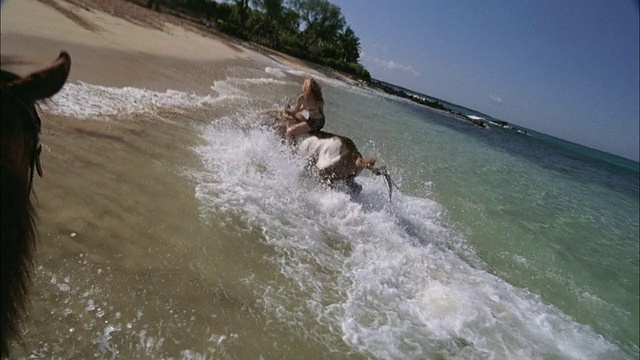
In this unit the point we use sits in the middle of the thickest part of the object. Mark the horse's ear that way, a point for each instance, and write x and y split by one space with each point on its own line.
43 83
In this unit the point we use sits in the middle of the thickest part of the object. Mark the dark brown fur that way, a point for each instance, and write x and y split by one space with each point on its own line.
19 142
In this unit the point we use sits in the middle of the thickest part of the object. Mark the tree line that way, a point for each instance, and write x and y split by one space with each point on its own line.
314 30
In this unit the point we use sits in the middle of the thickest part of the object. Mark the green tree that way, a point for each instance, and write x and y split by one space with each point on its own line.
350 46
266 22
242 13
321 22
223 12
290 21
153 4
314 30
271 9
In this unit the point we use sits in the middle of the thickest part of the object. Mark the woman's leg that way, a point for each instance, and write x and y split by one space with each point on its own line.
297 129
300 118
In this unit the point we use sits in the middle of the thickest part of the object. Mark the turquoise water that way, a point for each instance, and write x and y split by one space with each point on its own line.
498 245
543 214
501 244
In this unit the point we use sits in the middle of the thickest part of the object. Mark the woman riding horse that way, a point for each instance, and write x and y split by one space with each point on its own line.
334 157
20 145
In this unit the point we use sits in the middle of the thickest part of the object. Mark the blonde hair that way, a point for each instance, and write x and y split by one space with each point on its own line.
311 87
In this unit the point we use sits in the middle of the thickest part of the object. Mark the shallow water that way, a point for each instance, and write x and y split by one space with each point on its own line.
178 228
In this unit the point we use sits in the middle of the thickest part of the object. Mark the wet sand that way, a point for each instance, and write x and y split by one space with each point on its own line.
121 244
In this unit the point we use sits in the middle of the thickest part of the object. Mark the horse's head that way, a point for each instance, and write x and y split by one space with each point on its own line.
19 118
20 145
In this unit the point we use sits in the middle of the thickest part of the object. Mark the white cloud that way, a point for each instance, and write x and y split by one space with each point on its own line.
496 99
389 64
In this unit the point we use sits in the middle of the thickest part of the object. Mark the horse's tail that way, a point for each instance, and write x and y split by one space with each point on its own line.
369 163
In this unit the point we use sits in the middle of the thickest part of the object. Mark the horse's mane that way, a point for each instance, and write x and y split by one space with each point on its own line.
5 75
17 217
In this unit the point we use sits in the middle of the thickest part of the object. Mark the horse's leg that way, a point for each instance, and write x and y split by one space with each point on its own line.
310 168
326 177
354 187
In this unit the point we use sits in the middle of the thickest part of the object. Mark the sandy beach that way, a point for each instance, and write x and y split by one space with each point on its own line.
118 52
172 224
118 220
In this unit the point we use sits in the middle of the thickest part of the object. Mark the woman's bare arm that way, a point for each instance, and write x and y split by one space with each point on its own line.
297 108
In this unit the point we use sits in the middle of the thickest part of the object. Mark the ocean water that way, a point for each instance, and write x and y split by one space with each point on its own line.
499 245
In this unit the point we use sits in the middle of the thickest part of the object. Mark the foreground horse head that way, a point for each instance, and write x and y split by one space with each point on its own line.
335 157
20 145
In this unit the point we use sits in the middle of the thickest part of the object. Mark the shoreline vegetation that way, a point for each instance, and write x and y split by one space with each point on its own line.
314 31
311 30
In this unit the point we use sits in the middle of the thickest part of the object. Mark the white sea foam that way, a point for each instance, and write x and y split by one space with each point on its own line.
227 91
96 325
93 101
297 72
279 72
258 81
390 277
385 278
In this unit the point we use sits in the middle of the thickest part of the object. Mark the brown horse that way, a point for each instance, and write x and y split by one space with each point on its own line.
21 148
334 157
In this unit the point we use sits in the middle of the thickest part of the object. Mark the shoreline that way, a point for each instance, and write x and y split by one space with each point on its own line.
119 225
135 39
162 234
91 24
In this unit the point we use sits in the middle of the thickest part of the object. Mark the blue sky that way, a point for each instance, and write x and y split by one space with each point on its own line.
567 68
